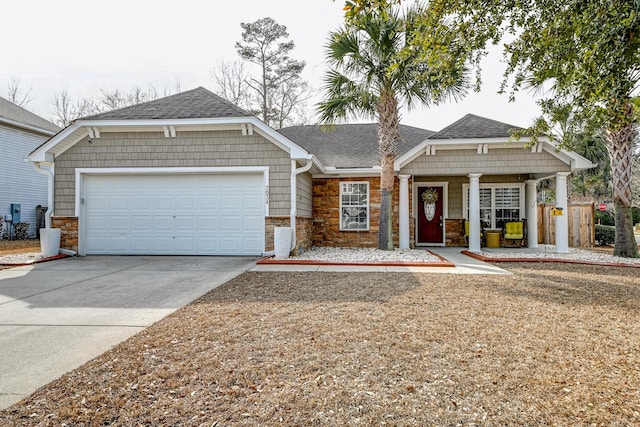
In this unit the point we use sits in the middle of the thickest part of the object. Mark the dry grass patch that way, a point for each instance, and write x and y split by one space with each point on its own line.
552 344
19 246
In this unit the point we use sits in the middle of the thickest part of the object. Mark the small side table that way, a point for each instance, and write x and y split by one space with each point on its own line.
493 238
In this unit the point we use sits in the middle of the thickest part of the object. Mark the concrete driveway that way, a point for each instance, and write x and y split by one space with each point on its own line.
58 315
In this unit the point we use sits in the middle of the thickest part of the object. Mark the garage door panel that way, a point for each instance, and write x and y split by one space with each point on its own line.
231 202
208 223
253 202
163 223
163 201
186 224
175 214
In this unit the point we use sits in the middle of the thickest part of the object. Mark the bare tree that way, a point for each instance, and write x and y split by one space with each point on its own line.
231 79
66 110
288 104
18 94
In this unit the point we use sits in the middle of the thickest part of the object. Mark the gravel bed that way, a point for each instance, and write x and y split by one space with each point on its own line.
548 252
366 255
333 254
20 258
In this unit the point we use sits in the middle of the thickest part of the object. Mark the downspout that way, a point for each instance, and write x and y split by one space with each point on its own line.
294 197
49 173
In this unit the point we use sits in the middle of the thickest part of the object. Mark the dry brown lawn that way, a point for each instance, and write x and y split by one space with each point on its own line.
549 345
19 246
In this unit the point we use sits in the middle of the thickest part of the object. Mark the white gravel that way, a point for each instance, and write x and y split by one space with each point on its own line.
373 255
548 251
366 255
20 258
409 255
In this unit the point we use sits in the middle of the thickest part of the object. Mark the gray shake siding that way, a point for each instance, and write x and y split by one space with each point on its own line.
188 149
505 160
305 196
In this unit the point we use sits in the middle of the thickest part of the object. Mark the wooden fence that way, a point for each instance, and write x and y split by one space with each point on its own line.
581 225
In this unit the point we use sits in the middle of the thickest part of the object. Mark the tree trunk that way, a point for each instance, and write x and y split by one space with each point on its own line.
388 122
620 147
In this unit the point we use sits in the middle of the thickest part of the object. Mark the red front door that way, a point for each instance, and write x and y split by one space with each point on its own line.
430 215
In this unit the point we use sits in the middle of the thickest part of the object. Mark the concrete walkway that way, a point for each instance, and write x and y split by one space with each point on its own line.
58 315
463 265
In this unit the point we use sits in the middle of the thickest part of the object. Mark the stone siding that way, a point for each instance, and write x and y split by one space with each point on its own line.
304 232
326 214
454 232
69 231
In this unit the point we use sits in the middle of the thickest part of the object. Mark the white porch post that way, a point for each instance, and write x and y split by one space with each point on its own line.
474 212
532 213
562 221
404 211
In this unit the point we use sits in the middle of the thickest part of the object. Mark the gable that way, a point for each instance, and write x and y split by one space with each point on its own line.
197 110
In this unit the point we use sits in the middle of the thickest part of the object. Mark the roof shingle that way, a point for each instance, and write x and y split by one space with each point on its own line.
350 145
472 126
13 113
197 103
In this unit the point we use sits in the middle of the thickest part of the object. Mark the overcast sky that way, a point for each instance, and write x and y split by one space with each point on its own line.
83 46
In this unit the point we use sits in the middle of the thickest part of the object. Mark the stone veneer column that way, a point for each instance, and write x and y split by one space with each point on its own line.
532 212
404 211
474 212
562 221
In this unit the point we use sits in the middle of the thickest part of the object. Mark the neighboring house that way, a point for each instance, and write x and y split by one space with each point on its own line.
194 174
20 133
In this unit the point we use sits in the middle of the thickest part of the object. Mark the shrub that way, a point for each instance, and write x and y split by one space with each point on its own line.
22 230
605 217
605 235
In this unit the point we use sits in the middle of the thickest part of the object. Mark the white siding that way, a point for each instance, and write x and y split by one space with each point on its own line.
19 181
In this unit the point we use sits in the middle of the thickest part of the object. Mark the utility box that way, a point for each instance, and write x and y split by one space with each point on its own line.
15 212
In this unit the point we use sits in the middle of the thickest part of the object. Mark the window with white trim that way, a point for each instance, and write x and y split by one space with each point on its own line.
354 206
499 203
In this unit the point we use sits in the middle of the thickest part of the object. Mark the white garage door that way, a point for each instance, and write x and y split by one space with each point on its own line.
191 214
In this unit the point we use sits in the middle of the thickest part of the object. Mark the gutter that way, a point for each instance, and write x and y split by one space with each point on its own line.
294 196
49 172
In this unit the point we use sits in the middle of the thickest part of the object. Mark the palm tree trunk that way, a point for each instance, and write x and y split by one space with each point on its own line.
620 147
388 122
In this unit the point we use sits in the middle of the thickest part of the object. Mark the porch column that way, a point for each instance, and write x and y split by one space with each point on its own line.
474 212
532 213
404 211
562 221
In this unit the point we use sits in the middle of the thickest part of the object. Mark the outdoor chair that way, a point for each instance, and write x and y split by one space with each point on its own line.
514 232
466 233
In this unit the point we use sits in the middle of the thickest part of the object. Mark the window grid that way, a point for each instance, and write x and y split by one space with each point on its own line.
354 206
498 205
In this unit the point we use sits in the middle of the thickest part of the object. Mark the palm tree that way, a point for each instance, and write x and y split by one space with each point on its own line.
375 67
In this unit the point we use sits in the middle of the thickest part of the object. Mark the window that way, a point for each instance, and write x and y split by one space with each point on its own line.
499 203
354 206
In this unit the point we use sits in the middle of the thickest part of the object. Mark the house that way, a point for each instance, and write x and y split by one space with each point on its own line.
194 174
20 184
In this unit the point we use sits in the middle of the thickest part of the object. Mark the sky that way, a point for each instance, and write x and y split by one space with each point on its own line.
84 46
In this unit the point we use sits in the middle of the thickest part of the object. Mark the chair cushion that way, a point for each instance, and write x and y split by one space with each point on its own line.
513 230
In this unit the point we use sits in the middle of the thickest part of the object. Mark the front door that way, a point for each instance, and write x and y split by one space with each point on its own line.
430 216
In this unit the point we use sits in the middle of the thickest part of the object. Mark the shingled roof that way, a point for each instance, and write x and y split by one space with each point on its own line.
197 103
350 146
472 126
17 116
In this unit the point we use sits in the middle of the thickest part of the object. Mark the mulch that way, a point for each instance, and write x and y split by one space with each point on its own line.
552 344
